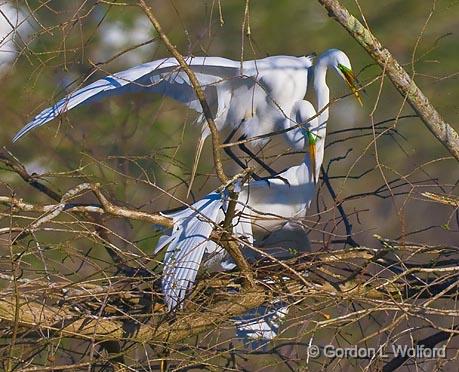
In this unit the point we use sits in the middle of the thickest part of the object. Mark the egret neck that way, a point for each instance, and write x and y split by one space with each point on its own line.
321 89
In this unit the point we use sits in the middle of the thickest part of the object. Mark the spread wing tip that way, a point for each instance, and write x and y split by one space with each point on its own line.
26 129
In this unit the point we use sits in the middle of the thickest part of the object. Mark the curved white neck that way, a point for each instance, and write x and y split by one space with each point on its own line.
321 90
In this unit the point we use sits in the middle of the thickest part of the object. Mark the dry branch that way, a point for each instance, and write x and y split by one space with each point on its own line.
443 199
232 248
115 210
51 211
69 323
57 311
12 163
197 88
444 132
387 293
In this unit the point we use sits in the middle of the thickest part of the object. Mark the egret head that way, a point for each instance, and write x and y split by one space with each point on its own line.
311 140
342 65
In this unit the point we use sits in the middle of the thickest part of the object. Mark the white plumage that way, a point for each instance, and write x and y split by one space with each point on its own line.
261 323
257 96
261 206
253 91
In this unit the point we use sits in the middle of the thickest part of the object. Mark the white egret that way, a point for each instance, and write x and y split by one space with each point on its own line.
257 97
260 207
339 61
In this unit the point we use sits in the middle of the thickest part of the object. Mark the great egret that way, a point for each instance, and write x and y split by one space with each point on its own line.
258 97
260 206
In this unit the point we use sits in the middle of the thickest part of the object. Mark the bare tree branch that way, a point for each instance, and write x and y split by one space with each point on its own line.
231 247
197 88
444 132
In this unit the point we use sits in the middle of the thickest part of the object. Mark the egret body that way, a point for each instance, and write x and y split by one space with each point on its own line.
260 207
257 97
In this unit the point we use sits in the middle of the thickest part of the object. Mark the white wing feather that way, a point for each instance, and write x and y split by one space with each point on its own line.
166 77
187 245
189 241
218 259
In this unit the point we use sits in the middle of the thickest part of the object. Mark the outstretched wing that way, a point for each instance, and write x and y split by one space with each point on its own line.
165 77
187 245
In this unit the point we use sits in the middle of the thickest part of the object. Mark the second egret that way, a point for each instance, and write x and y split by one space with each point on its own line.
259 207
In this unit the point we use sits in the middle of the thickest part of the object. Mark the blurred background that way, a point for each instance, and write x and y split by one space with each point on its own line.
59 45
139 145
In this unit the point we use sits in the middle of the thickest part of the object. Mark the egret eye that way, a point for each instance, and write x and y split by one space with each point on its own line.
304 131
312 138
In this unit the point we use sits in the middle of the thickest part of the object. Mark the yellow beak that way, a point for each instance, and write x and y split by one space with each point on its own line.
354 85
312 158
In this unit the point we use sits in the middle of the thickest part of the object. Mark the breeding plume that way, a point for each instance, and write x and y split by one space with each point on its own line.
260 206
256 97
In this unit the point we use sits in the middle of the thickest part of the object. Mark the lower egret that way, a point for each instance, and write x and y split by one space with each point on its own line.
260 207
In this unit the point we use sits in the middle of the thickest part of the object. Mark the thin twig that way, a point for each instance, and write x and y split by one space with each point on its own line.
444 132
197 88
